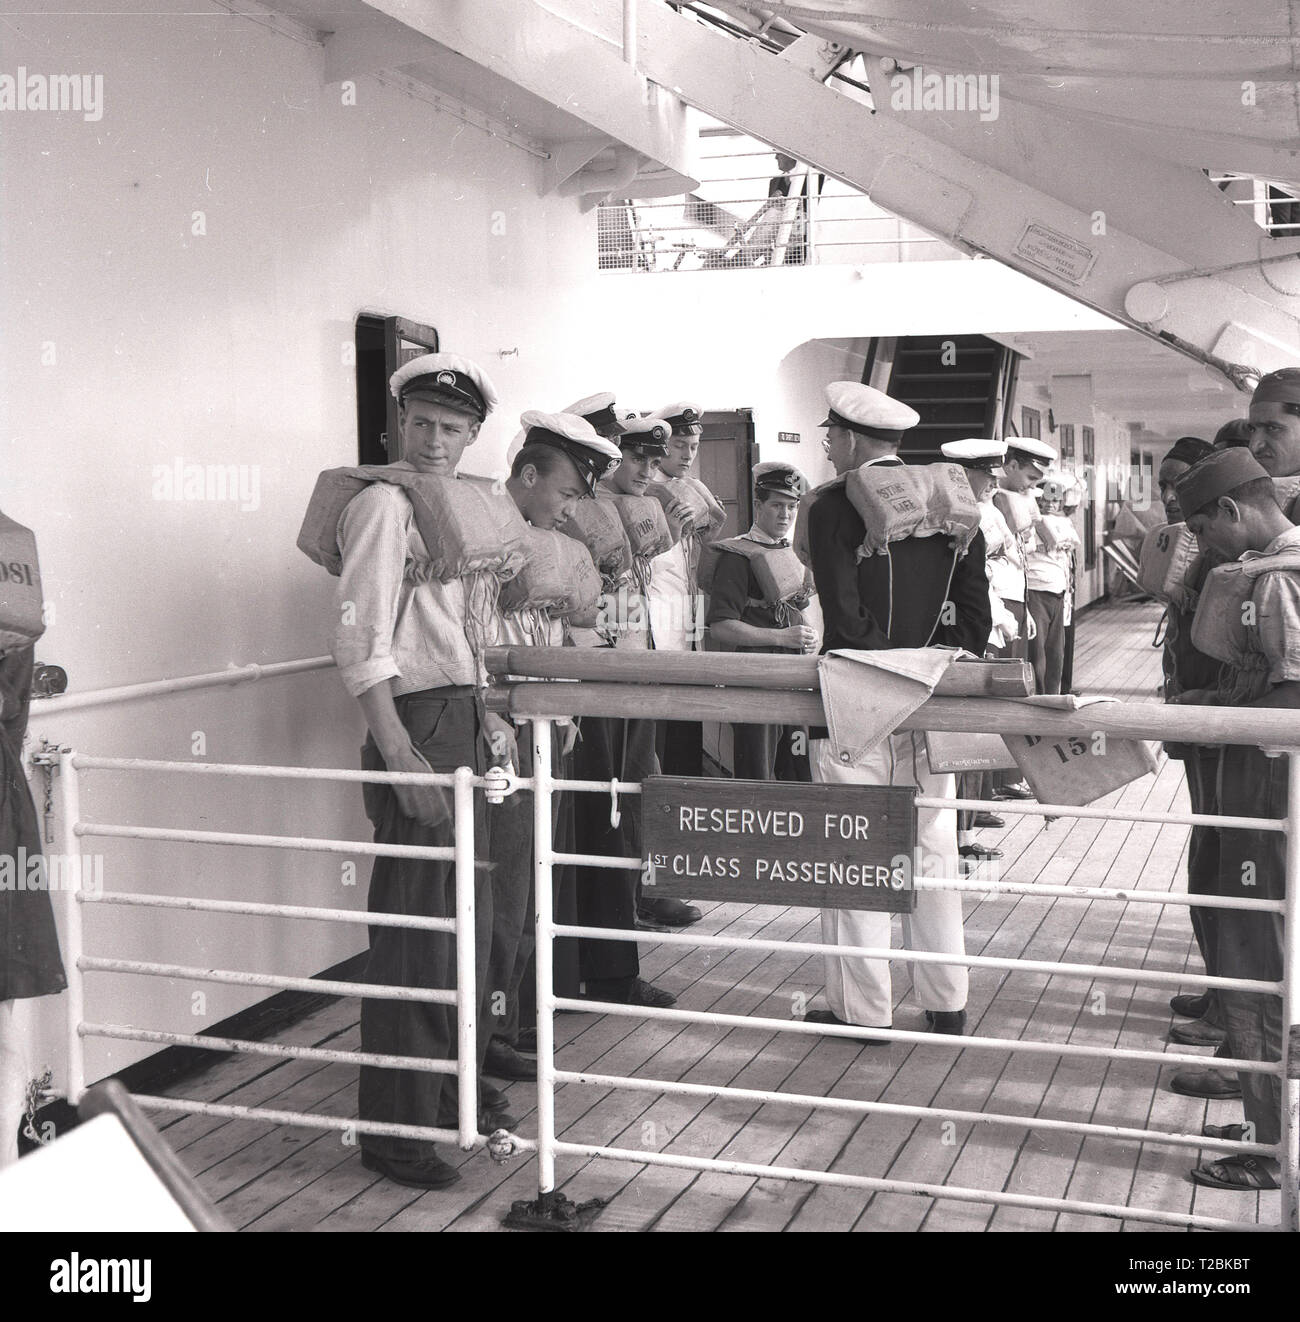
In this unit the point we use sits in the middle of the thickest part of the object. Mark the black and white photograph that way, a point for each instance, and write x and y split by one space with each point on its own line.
650 616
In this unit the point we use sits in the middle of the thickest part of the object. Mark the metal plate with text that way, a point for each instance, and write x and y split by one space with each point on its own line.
774 842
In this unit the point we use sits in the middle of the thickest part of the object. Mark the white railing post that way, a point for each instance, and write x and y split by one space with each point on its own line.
69 845
629 32
466 982
1290 1153
543 956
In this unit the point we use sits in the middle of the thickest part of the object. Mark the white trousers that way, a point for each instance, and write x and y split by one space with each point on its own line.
858 989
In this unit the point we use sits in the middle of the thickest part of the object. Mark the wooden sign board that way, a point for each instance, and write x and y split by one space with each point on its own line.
774 842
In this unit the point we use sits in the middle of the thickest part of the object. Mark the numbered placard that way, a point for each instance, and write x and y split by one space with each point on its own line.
1077 769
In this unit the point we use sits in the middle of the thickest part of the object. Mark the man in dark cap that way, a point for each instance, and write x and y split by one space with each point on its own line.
1275 433
1185 668
1234 433
1231 506
741 618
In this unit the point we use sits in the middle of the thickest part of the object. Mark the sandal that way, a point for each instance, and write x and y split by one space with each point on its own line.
1242 1174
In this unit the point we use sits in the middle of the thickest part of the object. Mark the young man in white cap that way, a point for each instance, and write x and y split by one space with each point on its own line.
982 459
401 650
861 610
617 749
739 618
559 463
1045 576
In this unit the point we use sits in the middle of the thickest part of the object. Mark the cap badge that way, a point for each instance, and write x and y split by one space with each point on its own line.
446 378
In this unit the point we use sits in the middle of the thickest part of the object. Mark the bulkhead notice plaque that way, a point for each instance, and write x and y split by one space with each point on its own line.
774 842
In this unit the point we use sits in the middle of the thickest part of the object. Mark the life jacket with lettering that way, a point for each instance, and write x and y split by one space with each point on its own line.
1168 560
897 501
597 525
780 576
1056 532
468 525
1222 628
21 603
558 577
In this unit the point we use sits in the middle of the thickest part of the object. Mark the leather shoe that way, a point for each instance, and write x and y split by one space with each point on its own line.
526 1041
490 1098
429 1173
1209 1083
978 853
1020 790
947 1021
988 819
1225 1133
663 909
1197 1033
829 1017
628 991
502 1061
1189 1006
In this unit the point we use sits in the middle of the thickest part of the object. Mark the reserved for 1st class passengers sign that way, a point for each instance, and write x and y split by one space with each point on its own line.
770 842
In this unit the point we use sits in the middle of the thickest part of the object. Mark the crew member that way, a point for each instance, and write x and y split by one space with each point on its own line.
402 652
742 619
1231 506
982 460
1275 433
559 463
863 608
1046 581
617 749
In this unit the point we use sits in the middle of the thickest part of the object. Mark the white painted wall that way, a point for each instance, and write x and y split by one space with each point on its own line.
134 341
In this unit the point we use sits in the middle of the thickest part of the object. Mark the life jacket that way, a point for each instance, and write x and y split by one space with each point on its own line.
1056 532
1019 509
779 574
468 525
1220 628
706 514
1169 557
597 525
897 501
1287 491
22 619
644 524
558 577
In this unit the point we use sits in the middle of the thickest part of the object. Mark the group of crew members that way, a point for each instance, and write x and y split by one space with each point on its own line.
1001 586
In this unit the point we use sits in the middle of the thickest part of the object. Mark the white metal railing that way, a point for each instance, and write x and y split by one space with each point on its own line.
539 702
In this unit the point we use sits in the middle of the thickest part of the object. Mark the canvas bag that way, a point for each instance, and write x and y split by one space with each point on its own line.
1169 556
22 619
897 501
596 524
957 752
1073 769
468 525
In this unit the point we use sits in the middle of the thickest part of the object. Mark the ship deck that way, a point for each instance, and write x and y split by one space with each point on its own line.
274 1177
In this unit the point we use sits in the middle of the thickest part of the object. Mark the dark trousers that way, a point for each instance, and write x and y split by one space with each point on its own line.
1249 945
972 785
1201 765
444 725
1067 660
1016 650
766 752
1047 649
680 746
609 748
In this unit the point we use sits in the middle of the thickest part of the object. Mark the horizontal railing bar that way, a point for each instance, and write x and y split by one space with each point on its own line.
1272 728
957 1193
1084 813
309 844
902 1035
1156 977
1122 896
329 987
85 762
598 861
361 916
309 1120
766 1096
423 1064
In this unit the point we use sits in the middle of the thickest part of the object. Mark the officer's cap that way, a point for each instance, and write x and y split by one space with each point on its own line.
684 419
782 479
1025 449
867 411
445 378
592 455
600 410
976 452
646 437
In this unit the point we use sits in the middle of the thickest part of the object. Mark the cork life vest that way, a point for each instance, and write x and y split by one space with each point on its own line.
705 513
468 525
1056 532
597 525
22 619
779 574
557 577
1287 491
1019 509
1168 561
897 501
644 525
1222 627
